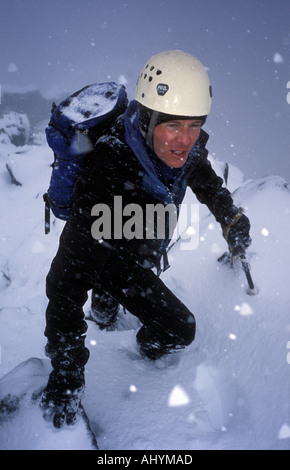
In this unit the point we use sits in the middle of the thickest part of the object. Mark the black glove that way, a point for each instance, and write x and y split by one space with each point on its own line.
62 397
237 234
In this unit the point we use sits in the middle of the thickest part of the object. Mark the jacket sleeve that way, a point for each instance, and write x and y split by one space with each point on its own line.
208 187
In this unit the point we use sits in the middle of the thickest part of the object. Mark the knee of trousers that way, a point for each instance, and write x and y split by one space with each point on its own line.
186 331
167 339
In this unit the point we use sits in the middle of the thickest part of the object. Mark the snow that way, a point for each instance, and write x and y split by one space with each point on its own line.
15 128
278 59
92 100
228 390
29 379
12 67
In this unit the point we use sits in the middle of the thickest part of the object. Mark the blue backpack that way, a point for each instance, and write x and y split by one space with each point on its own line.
74 128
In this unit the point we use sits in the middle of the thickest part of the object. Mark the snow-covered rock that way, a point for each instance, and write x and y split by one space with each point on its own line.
14 128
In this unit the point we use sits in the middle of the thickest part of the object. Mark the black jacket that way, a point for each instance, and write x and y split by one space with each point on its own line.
114 170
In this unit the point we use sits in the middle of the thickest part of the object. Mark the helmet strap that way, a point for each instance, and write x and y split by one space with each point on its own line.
151 127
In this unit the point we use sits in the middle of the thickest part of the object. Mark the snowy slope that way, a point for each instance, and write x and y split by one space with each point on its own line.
228 390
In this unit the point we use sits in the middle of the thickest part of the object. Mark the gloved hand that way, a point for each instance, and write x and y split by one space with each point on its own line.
62 397
237 234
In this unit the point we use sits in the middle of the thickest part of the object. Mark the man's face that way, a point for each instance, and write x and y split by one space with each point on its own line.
173 141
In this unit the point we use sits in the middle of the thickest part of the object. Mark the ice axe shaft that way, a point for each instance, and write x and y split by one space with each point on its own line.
228 258
246 268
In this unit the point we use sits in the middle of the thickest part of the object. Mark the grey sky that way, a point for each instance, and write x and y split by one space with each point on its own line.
59 46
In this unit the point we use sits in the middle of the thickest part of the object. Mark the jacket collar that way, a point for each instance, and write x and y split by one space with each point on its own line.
153 182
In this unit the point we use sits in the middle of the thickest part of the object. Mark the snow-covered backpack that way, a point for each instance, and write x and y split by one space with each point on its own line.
75 126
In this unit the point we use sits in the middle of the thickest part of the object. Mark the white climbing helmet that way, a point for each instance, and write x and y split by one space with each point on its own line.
176 83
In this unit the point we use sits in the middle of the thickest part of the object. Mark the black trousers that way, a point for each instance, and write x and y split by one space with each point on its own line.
168 325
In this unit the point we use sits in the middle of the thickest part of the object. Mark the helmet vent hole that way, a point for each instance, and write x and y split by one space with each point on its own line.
158 72
150 79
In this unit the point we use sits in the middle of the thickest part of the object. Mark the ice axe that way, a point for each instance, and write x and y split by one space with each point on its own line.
252 290
228 258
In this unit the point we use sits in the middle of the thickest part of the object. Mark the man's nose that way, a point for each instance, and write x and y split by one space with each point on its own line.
183 137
